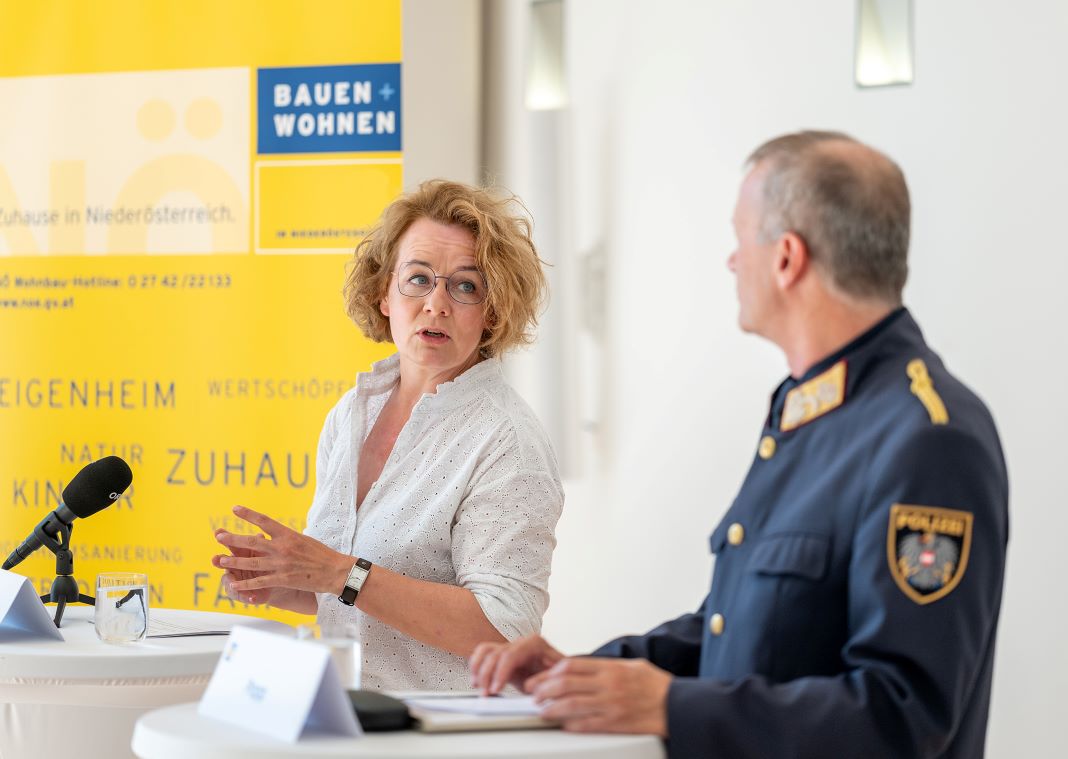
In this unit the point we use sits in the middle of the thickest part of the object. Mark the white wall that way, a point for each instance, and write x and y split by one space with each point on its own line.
667 99
442 84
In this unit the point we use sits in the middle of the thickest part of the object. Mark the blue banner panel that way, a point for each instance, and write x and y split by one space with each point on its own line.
329 109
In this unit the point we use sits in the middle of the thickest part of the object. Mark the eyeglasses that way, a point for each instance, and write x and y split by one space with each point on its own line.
417 280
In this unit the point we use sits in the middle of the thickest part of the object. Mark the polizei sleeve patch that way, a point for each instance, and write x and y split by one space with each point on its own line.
927 549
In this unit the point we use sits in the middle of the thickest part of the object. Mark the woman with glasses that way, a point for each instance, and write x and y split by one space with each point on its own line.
437 491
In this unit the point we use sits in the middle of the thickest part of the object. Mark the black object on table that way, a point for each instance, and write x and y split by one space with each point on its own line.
378 712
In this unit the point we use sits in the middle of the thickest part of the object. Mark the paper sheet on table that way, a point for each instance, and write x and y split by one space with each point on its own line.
192 626
480 705
158 628
188 627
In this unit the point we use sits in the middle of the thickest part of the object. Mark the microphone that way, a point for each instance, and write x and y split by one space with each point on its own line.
95 487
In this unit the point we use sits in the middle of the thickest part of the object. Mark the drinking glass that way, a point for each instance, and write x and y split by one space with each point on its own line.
343 640
121 613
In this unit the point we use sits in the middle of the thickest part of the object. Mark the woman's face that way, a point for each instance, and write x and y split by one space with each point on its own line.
433 330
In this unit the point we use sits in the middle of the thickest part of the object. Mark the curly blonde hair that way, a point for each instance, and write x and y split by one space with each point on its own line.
504 253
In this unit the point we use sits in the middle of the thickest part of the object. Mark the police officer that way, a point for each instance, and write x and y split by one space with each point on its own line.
858 573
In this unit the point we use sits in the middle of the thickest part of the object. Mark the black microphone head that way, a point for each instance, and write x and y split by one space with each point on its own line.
97 486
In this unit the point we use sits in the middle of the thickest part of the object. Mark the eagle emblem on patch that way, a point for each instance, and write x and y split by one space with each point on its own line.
927 549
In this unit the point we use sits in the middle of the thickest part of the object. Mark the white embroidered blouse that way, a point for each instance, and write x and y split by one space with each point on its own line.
469 496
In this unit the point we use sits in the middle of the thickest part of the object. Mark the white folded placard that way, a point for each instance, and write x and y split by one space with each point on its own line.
21 608
277 686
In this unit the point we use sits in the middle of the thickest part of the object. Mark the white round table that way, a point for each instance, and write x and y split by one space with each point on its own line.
81 696
178 732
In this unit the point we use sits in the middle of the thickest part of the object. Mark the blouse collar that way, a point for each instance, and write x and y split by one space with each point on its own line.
471 384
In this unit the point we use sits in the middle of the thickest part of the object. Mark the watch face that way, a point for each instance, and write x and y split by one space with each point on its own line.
357 577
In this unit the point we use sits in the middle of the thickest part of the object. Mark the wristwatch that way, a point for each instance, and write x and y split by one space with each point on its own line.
357 577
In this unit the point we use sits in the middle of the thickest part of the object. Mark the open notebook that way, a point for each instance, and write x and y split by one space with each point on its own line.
450 712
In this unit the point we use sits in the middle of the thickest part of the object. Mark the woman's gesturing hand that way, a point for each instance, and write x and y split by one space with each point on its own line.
230 576
287 559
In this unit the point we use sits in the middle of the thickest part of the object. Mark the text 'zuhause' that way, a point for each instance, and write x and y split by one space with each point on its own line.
326 123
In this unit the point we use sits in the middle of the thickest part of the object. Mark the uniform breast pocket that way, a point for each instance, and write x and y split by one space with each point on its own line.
801 555
803 621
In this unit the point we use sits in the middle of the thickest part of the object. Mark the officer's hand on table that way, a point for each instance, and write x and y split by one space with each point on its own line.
288 560
594 695
495 665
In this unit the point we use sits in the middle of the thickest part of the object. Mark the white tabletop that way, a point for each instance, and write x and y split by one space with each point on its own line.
178 732
81 655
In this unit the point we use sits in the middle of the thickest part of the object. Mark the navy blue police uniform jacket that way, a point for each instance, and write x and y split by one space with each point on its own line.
858 573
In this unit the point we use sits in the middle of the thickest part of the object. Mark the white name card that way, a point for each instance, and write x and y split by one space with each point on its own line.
278 686
21 610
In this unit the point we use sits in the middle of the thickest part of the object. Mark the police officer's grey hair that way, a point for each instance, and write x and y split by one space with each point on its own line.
848 202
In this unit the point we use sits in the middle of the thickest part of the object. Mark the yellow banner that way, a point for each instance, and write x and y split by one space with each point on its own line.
180 187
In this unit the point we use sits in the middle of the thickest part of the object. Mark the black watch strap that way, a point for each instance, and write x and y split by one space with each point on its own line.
357 577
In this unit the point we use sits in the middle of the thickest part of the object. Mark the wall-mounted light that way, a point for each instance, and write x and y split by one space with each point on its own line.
546 79
884 43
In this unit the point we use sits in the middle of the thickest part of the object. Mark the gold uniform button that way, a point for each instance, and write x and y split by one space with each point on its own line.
735 534
715 624
767 447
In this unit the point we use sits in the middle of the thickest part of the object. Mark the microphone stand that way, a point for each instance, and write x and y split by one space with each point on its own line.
64 587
